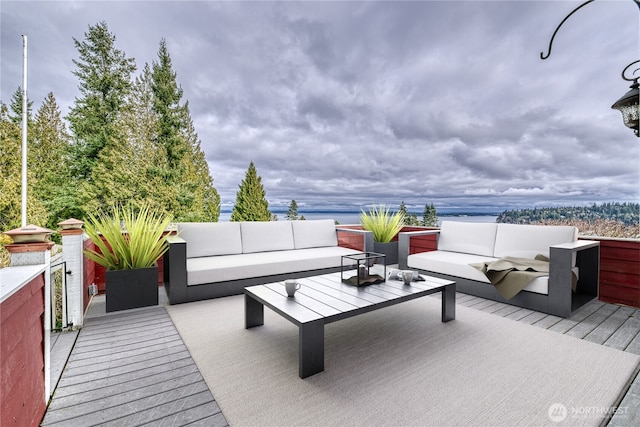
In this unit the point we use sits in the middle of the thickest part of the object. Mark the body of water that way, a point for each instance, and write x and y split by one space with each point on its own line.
345 218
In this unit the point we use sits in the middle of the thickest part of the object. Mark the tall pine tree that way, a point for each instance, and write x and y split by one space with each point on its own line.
251 203
292 213
48 161
11 178
104 74
184 167
429 216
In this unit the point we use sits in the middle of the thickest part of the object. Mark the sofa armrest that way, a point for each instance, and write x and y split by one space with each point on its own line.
175 269
404 240
586 254
367 238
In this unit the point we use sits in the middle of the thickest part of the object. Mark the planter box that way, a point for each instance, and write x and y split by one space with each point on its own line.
128 289
389 249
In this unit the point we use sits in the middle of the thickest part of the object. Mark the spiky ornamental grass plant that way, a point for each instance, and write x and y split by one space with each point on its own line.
382 222
129 238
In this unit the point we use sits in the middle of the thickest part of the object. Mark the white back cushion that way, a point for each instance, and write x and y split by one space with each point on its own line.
211 238
314 234
266 236
477 238
527 241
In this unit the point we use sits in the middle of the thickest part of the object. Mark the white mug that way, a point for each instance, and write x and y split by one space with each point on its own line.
407 276
292 286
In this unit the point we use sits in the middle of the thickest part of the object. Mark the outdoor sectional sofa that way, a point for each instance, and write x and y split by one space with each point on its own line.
461 244
215 259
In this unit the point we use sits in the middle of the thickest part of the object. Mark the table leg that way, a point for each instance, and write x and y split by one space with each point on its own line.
449 302
253 312
311 348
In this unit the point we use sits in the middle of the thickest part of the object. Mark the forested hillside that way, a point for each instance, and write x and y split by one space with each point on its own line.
605 220
125 139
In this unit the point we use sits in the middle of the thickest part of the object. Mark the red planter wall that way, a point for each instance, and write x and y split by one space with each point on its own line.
89 273
22 362
351 240
620 271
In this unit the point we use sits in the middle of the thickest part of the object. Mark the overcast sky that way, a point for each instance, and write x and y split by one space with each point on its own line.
346 104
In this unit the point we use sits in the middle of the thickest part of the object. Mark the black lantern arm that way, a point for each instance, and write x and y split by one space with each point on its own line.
631 79
542 55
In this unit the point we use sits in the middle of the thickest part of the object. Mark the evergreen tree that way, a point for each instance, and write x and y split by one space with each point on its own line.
292 213
126 172
429 216
251 203
205 205
184 167
409 218
166 104
47 160
11 178
402 209
105 80
16 108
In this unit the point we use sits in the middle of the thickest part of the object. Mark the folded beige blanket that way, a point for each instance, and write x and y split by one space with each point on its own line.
510 274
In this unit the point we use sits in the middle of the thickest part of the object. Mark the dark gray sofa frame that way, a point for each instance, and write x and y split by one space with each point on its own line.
561 300
175 273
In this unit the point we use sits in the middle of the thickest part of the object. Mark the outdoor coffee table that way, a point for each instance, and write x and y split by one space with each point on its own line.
325 299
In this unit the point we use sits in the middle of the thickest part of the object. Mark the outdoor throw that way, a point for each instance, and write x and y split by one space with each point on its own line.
510 274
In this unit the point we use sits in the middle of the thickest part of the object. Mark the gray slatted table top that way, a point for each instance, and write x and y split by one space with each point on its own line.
326 297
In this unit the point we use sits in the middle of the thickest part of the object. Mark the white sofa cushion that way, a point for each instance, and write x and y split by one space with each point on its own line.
457 265
451 263
266 236
314 234
527 241
243 266
211 238
467 237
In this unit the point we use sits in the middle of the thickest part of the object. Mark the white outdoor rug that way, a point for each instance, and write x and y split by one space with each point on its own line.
402 366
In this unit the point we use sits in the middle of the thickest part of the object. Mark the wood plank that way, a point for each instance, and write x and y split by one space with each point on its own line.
521 313
485 305
547 321
501 307
625 334
608 327
594 320
566 324
114 407
187 411
142 377
133 385
532 317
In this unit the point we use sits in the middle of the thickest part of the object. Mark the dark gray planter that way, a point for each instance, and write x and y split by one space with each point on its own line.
389 249
128 289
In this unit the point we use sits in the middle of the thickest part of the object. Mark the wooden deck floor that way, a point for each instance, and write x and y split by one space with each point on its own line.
132 368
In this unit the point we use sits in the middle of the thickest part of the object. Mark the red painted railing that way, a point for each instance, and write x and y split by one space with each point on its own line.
22 362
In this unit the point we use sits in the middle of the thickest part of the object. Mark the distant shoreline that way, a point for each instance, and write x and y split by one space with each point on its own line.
353 217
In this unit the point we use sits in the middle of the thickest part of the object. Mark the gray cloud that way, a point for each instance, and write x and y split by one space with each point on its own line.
353 103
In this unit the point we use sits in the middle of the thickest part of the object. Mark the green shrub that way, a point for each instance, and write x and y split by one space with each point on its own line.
130 238
382 222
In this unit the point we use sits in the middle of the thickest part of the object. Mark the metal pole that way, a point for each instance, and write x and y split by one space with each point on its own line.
24 130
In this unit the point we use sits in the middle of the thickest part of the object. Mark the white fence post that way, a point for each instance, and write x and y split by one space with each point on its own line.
72 244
